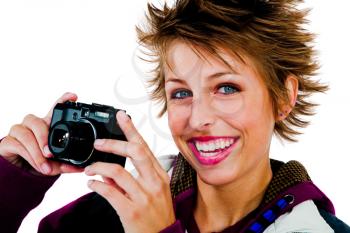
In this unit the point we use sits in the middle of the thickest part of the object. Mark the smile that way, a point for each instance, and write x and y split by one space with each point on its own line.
212 150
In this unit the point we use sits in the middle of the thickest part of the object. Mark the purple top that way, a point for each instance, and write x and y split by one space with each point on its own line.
21 191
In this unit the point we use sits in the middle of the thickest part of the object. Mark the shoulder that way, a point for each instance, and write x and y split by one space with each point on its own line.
304 217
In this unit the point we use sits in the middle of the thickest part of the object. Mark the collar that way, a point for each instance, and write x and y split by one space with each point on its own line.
289 178
285 175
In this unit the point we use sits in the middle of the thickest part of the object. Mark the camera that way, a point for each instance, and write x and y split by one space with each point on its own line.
74 128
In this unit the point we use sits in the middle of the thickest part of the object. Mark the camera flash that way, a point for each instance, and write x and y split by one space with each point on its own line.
102 114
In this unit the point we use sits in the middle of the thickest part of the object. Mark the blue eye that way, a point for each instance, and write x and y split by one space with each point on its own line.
227 89
181 94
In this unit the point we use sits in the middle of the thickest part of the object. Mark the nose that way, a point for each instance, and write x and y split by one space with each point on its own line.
202 115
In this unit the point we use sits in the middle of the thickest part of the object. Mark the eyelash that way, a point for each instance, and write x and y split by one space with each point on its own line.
237 89
173 95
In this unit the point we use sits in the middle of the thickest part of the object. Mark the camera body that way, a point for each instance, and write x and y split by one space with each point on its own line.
74 128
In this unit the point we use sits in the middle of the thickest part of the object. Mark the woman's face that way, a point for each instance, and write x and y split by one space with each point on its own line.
220 118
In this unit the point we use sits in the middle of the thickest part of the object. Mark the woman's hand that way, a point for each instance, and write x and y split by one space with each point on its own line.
27 143
144 204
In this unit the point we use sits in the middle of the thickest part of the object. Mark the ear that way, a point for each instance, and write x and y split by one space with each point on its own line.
291 84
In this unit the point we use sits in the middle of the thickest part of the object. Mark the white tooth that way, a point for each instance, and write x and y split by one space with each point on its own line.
231 141
197 145
205 147
208 154
208 147
217 144
211 146
227 143
222 143
200 146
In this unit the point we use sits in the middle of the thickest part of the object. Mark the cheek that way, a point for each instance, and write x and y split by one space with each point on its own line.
259 106
256 121
260 124
177 119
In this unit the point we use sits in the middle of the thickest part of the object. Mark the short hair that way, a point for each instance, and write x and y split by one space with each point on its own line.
270 32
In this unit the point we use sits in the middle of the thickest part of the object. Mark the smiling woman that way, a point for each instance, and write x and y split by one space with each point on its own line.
230 74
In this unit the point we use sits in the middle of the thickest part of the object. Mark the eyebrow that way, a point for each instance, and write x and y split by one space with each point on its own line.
212 76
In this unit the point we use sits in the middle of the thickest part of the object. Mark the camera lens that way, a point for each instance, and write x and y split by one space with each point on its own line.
60 138
72 141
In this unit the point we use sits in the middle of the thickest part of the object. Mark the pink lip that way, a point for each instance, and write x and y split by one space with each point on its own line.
212 160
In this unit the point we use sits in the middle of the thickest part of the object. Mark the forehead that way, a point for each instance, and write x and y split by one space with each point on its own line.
184 60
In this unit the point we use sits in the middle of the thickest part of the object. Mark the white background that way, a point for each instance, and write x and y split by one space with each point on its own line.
88 47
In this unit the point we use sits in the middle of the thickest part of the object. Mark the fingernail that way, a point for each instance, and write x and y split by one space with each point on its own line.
69 94
45 168
124 117
47 152
99 142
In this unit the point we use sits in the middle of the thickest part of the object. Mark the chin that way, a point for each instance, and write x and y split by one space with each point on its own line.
212 177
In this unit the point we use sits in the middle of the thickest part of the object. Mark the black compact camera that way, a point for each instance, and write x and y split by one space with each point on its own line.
74 128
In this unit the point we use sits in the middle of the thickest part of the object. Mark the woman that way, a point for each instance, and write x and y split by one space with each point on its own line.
230 74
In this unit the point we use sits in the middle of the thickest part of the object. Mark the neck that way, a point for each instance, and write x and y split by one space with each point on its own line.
218 207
